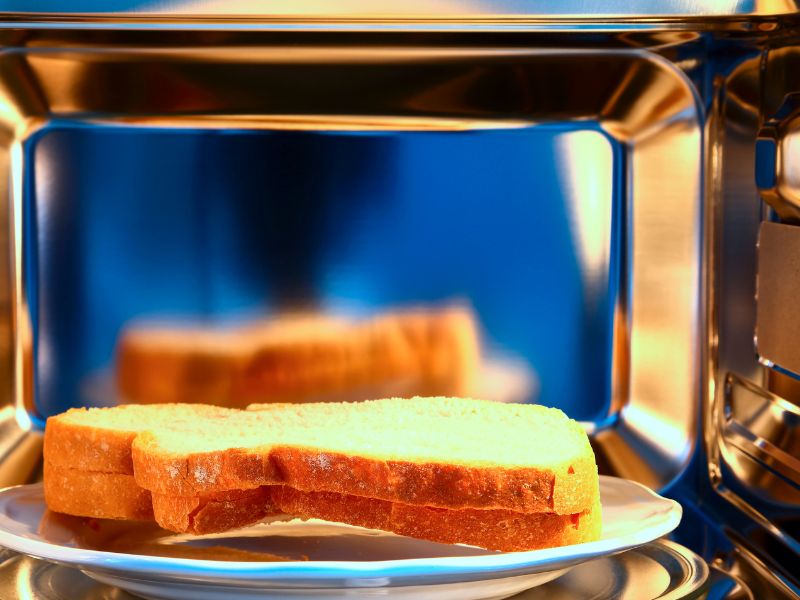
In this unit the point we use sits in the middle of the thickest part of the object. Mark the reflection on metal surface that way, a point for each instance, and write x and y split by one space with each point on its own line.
784 386
722 584
766 429
777 157
588 184
661 570
371 226
762 581
304 357
24 578
20 449
789 178
147 539
462 10
666 230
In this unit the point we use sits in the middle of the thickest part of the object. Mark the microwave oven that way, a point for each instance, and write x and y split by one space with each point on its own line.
612 188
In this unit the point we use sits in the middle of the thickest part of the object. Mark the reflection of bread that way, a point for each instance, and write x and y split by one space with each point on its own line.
140 538
505 477
301 359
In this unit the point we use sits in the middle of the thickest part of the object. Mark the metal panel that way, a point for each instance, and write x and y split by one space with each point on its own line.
778 322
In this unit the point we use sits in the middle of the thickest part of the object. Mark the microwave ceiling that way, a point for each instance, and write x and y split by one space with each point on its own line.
401 9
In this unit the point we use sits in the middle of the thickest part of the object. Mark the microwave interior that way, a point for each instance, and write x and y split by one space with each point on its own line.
617 213
181 186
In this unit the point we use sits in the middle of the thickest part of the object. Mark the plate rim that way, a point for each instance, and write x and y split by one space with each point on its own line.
505 564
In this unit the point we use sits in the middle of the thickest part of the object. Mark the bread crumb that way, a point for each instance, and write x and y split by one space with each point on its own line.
173 471
323 461
203 475
200 474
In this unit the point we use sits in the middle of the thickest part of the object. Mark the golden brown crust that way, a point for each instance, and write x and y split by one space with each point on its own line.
98 495
117 496
88 448
213 513
492 529
74 439
429 353
433 484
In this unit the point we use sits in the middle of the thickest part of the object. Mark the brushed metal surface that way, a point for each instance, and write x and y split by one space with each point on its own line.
766 429
777 155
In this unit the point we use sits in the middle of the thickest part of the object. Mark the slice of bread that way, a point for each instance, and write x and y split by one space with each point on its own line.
441 452
92 494
116 496
88 470
99 439
492 529
302 359
502 530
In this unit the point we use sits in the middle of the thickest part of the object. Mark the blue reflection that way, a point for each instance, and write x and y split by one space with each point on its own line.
130 223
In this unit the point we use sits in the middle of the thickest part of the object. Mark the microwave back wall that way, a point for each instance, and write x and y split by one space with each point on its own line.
615 199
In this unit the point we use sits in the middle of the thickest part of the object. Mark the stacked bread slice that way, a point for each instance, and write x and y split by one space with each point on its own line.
302 358
503 477
88 467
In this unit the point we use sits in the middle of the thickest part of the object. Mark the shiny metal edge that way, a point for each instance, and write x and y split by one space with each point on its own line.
393 14
692 570
533 8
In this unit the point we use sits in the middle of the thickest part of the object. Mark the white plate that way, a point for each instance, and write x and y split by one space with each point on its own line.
343 561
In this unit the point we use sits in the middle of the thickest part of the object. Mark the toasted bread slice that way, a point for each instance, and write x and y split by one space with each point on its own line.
440 452
492 529
92 494
88 470
502 530
302 359
116 496
99 439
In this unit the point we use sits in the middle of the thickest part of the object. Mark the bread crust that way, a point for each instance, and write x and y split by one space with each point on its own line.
72 444
501 530
214 513
117 496
570 490
83 447
99 495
